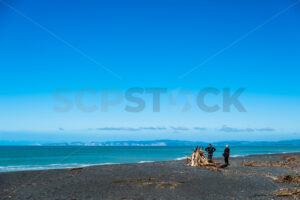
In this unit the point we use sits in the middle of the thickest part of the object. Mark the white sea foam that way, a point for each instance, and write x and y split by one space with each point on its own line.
145 161
237 156
181 158
45 167
88 165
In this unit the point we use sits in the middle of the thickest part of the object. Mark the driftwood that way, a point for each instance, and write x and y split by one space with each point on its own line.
290 162
288 192
289 179
199 159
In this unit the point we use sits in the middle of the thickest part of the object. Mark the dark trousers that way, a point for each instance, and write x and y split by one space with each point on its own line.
209 156
226 160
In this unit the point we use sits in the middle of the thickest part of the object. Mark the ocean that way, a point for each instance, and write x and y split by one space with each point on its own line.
21 158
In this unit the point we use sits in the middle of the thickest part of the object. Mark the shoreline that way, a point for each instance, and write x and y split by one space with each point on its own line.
83 165
155 180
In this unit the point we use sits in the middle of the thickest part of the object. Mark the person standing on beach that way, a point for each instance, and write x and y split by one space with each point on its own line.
226 154
210 151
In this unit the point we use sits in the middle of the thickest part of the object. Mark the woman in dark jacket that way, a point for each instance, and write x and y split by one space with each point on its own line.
226 154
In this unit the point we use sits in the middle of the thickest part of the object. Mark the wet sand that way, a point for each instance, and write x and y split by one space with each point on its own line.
158 180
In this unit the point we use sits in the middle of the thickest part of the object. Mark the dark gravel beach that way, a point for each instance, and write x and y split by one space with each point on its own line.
158 180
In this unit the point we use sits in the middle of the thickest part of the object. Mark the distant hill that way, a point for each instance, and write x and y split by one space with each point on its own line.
156 143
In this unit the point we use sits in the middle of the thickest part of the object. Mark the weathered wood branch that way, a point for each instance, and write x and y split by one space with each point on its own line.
198 158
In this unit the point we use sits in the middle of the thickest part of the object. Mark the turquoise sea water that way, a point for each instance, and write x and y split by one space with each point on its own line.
19 158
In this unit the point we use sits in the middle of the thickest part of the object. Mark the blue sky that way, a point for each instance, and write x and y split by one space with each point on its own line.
47 45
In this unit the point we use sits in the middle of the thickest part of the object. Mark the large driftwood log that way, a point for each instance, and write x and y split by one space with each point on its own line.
198 158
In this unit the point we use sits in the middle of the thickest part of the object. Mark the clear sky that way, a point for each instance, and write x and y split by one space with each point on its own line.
47 45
